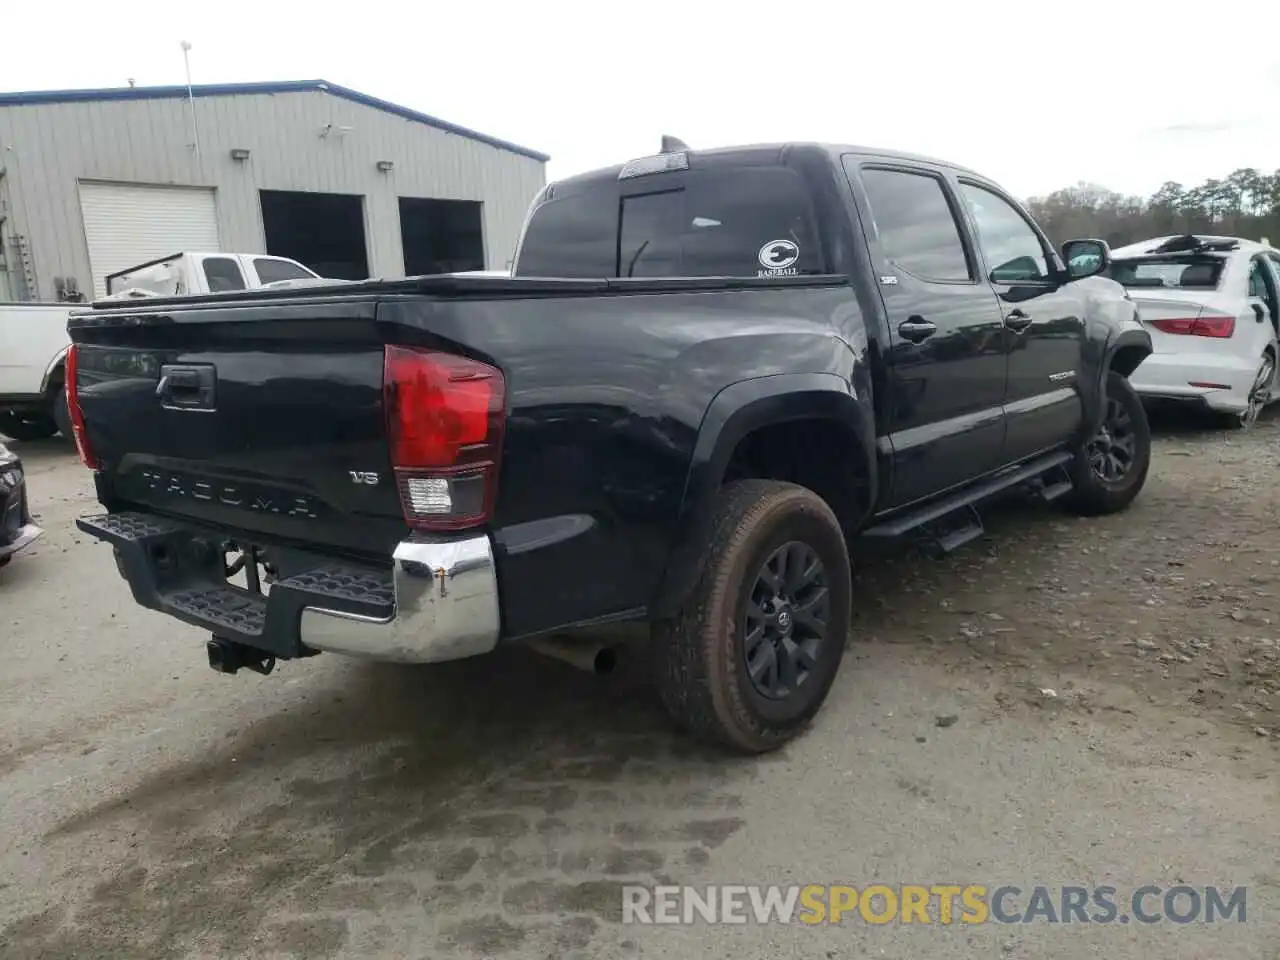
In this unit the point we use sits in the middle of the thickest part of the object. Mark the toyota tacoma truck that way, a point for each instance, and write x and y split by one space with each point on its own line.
708 371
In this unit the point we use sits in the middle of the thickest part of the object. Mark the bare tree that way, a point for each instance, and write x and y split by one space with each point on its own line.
1245 203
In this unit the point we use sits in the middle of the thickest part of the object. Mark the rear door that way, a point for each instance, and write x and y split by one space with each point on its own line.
1264 295
946 360
1043 318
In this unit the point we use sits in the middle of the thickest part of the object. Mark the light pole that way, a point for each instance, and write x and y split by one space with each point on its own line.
191 99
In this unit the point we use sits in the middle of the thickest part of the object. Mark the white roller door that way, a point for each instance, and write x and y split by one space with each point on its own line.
127 224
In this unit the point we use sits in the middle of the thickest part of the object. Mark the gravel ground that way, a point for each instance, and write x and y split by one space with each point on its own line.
1066 701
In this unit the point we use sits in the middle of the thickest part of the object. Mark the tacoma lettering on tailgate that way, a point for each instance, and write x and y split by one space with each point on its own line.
260 499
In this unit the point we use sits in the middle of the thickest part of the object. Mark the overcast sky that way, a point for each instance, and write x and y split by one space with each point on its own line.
1125 93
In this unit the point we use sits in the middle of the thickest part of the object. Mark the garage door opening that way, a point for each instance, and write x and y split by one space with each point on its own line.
325 231
440 236
126 224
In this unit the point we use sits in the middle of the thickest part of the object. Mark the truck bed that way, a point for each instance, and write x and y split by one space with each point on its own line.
285 441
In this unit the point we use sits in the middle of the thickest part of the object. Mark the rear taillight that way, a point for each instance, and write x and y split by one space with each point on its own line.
1219 327
445 416
74 412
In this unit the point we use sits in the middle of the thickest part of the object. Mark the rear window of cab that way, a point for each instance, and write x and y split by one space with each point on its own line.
1184 273
735 222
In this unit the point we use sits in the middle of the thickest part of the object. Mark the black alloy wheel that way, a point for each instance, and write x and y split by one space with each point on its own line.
1113 449
785 620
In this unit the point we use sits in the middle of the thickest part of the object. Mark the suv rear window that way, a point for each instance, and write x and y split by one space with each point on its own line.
738 222
1186 273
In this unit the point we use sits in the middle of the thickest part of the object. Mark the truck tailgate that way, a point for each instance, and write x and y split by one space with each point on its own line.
264 418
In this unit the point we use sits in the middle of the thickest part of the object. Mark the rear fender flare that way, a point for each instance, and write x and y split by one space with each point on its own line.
735 412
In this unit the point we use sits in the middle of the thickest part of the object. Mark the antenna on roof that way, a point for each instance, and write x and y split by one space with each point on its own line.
673 144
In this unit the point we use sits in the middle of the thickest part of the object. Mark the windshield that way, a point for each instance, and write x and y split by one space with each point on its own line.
1184 273
736 222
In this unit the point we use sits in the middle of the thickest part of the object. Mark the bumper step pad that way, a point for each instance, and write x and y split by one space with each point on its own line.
223 608
168 571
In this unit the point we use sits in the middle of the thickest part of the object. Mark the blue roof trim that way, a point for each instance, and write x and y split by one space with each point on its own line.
38 97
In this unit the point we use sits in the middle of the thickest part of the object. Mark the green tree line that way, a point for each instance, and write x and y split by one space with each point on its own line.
1245 204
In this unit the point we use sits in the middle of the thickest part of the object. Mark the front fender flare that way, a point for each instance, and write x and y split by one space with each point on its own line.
1127 350
1124 351
734 413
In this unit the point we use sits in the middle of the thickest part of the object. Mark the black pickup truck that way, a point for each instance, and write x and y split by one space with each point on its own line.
709 371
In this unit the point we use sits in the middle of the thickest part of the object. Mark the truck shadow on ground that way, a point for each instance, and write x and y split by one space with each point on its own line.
511 795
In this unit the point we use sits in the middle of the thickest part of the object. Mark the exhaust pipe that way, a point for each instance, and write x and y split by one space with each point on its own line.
586 655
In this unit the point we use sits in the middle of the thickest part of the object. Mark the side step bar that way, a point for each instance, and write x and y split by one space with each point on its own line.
967 498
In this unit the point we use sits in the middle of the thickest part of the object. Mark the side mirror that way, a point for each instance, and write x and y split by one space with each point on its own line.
1085 258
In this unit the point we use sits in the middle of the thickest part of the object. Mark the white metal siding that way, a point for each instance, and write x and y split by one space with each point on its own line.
127 224
46 148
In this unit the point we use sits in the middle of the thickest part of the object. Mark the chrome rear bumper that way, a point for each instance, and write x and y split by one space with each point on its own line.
439 600
446 608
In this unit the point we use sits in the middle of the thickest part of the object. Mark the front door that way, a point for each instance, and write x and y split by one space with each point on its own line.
945 385
1044 325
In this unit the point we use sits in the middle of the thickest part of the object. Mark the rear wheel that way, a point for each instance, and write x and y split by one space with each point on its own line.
27 426
751 656
1259 394
1109 470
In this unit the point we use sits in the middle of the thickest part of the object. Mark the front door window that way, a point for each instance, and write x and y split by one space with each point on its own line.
1012 248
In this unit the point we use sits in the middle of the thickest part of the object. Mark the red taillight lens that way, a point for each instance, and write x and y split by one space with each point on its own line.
445 416
1219 327
74 412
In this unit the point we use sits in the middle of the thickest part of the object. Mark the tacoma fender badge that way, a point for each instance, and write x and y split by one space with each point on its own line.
1064 375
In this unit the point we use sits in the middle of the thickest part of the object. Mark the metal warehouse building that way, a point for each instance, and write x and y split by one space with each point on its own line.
94 181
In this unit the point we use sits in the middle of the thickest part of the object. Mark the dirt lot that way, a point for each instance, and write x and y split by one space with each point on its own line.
1068 701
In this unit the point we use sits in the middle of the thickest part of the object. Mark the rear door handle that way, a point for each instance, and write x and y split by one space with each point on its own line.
916 329
1016 320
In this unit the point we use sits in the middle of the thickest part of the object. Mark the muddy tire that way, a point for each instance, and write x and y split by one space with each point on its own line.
1110 470
749 659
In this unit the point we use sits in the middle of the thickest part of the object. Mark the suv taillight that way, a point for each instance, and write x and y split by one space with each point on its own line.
445 416
74 412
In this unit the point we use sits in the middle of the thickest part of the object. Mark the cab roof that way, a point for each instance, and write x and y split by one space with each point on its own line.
762 154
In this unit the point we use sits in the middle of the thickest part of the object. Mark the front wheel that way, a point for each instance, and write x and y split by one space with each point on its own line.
750 658
1110 469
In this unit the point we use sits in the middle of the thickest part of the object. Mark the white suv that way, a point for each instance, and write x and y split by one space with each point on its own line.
1211 305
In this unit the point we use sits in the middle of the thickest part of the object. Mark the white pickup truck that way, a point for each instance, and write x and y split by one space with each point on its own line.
33 336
